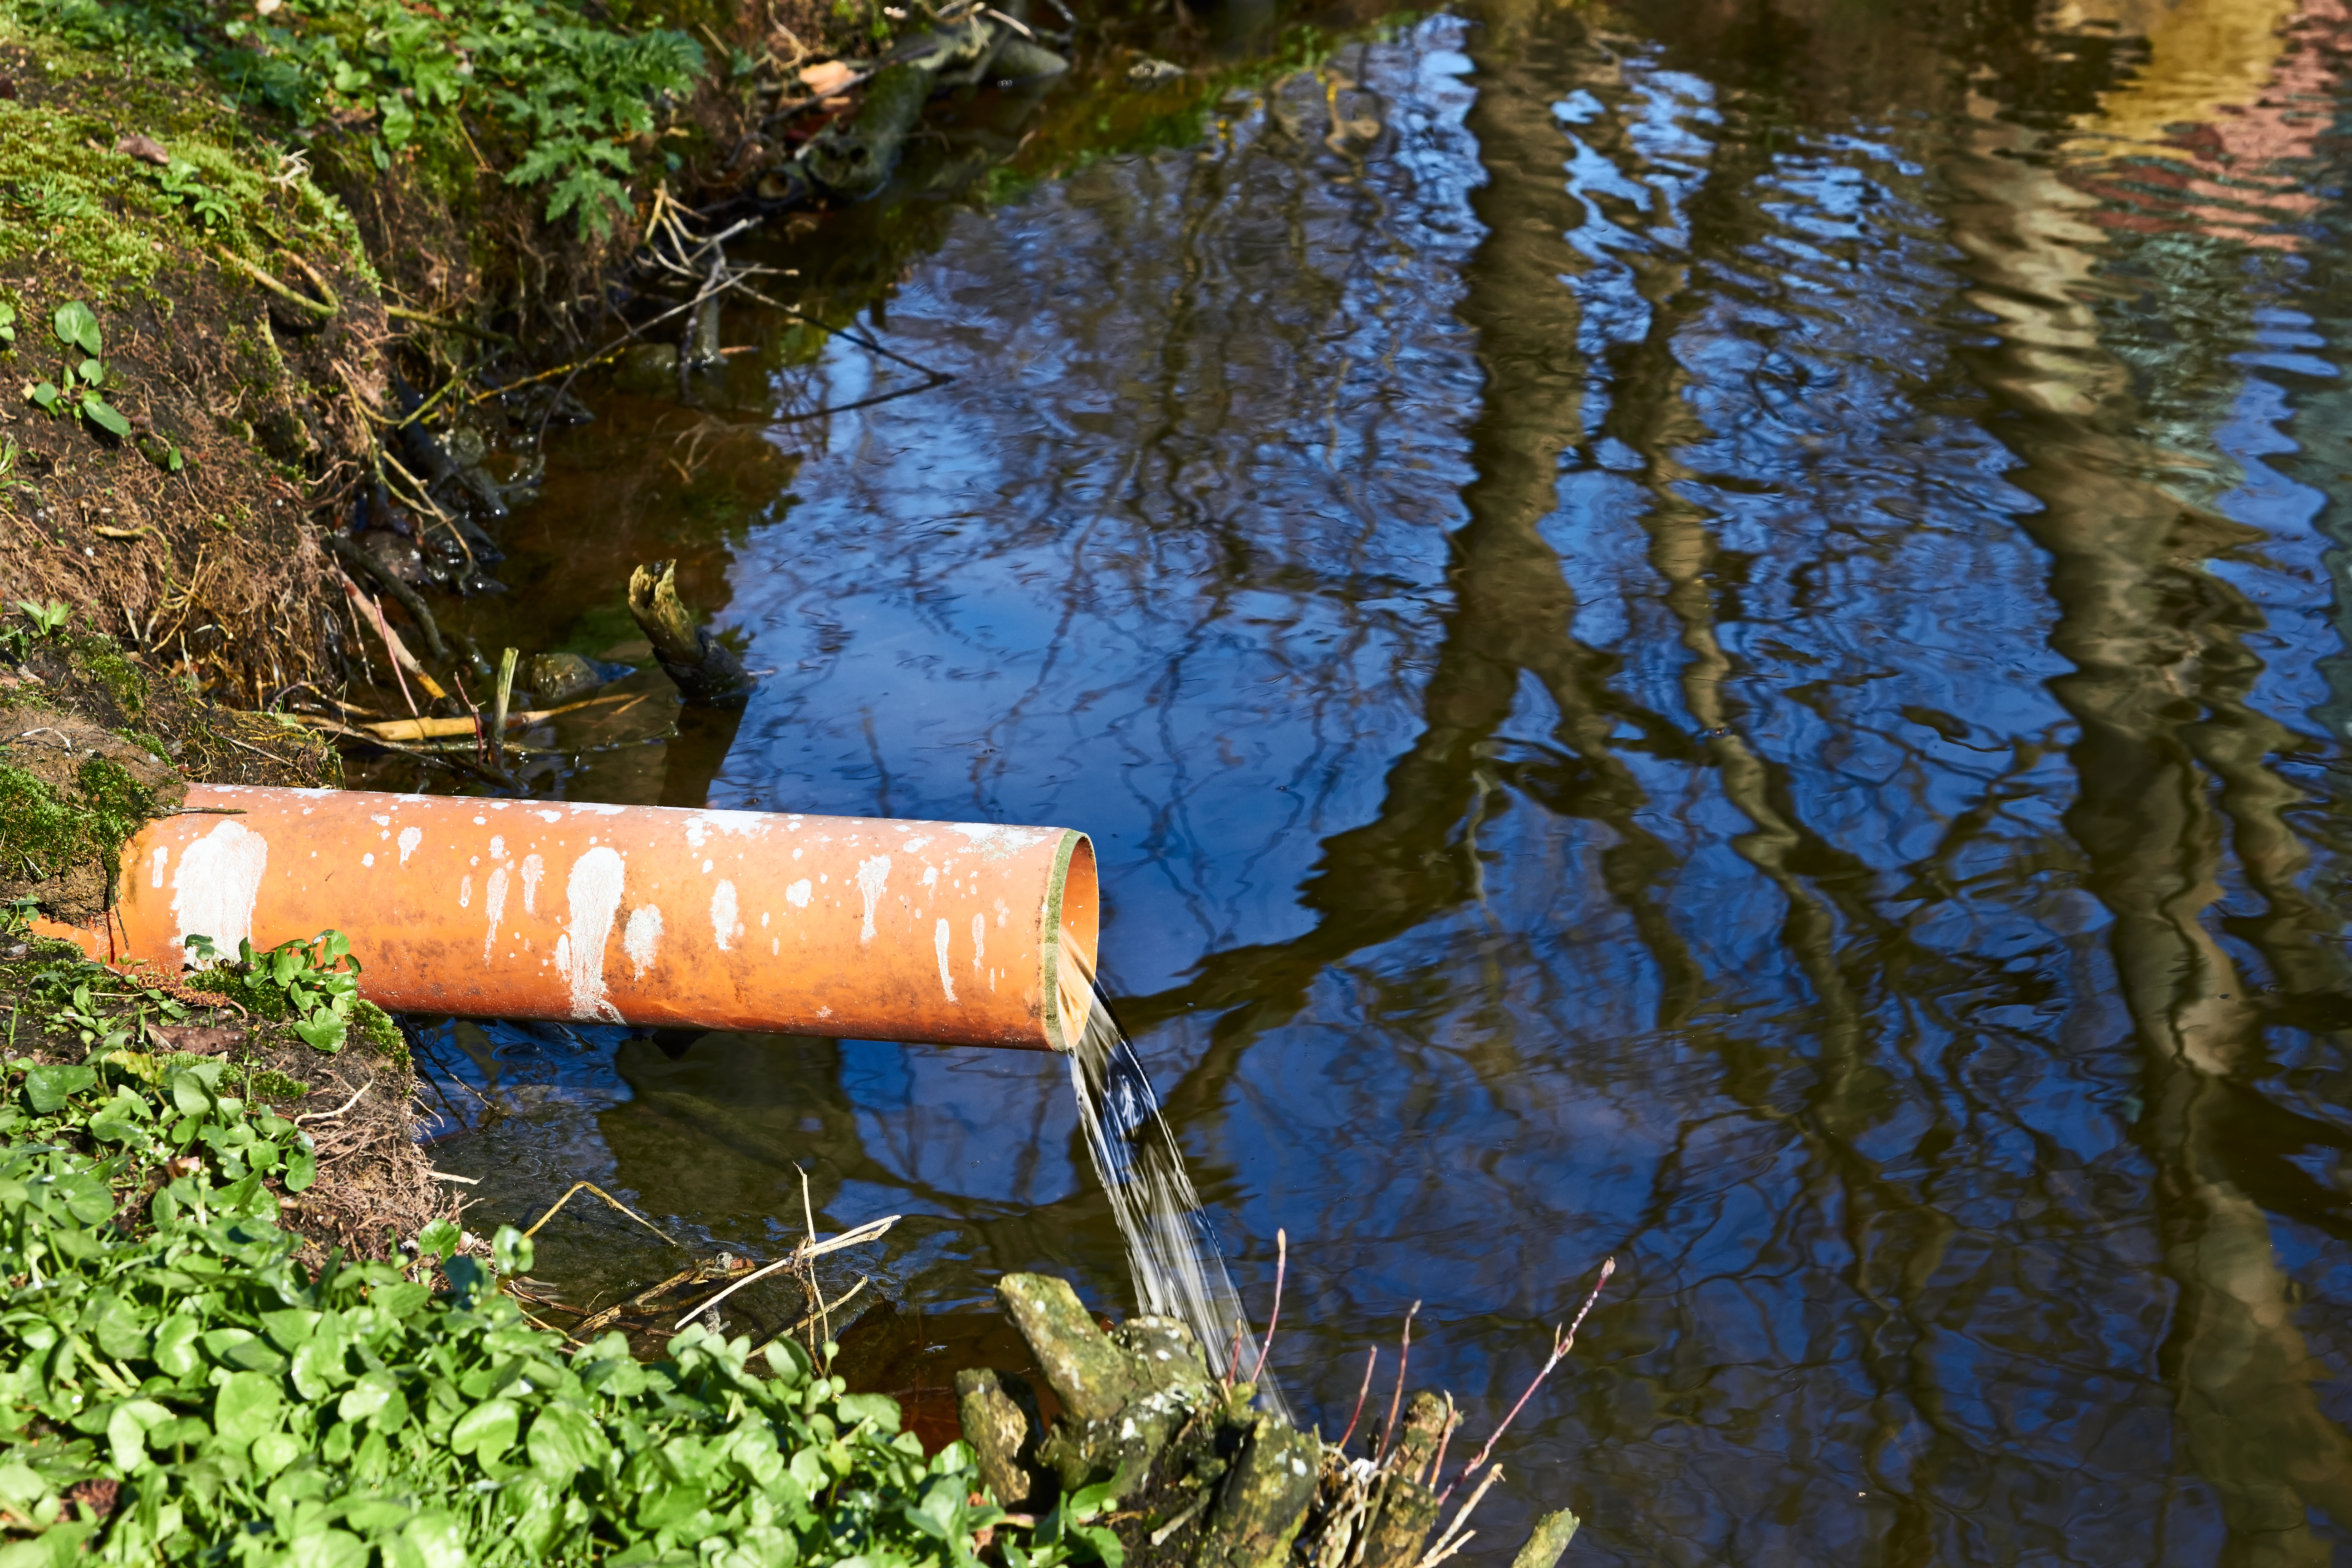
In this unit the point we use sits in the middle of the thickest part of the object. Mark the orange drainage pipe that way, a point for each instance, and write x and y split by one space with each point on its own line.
949 933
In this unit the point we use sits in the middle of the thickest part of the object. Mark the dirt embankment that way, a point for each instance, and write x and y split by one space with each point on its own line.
272 275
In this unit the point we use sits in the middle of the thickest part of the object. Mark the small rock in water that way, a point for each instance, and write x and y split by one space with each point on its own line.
561 677
399 556
649 368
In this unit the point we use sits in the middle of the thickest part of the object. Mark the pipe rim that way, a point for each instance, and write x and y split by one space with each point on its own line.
1077 853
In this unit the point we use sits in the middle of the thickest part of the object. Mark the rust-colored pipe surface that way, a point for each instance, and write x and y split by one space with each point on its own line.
949 933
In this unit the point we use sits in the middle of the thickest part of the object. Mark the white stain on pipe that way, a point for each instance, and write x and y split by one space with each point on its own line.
496 898
723 925
410 837
219 878
939 941
595 895
163 853
797 895
978 940
641 937
871 875
533 868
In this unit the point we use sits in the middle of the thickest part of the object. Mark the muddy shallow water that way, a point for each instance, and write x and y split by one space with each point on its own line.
1712 638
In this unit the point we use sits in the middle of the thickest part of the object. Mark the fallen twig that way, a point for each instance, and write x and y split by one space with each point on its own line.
1447 1544
441 729
825 1309
590 1186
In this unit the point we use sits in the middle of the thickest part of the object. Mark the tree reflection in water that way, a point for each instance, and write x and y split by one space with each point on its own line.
1705 636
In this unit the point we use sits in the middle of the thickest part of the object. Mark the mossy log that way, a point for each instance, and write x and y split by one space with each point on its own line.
1266 1498
997 1428
1552 1534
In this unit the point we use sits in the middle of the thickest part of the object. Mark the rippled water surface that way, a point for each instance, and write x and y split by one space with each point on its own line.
1713 633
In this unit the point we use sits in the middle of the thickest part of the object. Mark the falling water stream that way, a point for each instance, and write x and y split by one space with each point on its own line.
1718 633
1173 1254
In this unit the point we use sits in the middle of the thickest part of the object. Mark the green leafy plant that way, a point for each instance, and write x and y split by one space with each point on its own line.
162 1348
182 183
74 395
41 621
315 983
8 328
565 89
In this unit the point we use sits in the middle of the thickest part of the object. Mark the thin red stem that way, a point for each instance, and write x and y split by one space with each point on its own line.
1562 1341
1452 1423
1369 1362
1281 1266
1396 1400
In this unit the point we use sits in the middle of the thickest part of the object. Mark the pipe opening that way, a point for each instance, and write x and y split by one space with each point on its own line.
1072 956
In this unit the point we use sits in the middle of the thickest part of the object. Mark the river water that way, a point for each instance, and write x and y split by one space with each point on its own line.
1706 634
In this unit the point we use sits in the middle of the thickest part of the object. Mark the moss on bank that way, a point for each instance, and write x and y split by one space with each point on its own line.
94 744
236 321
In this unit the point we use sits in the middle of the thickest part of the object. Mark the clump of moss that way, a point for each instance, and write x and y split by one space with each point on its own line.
274 1085
373 1027
70 794
250 991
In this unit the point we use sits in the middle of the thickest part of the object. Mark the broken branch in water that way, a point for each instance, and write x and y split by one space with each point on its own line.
350 553
401 659
441 729
706 671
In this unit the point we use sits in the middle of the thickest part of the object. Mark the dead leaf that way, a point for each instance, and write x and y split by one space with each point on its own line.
144 148
824 80
196 1040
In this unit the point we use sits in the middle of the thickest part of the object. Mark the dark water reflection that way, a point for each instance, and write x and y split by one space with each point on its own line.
1705 632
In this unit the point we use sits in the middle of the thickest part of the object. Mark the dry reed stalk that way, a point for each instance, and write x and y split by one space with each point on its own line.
1453 1540
440 729
870 1231
577 1187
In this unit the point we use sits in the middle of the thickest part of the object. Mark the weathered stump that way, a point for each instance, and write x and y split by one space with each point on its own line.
1186 1471
706 671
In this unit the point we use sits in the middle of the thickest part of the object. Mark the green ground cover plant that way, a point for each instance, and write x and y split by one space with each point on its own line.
562 96
177 1386
313 988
